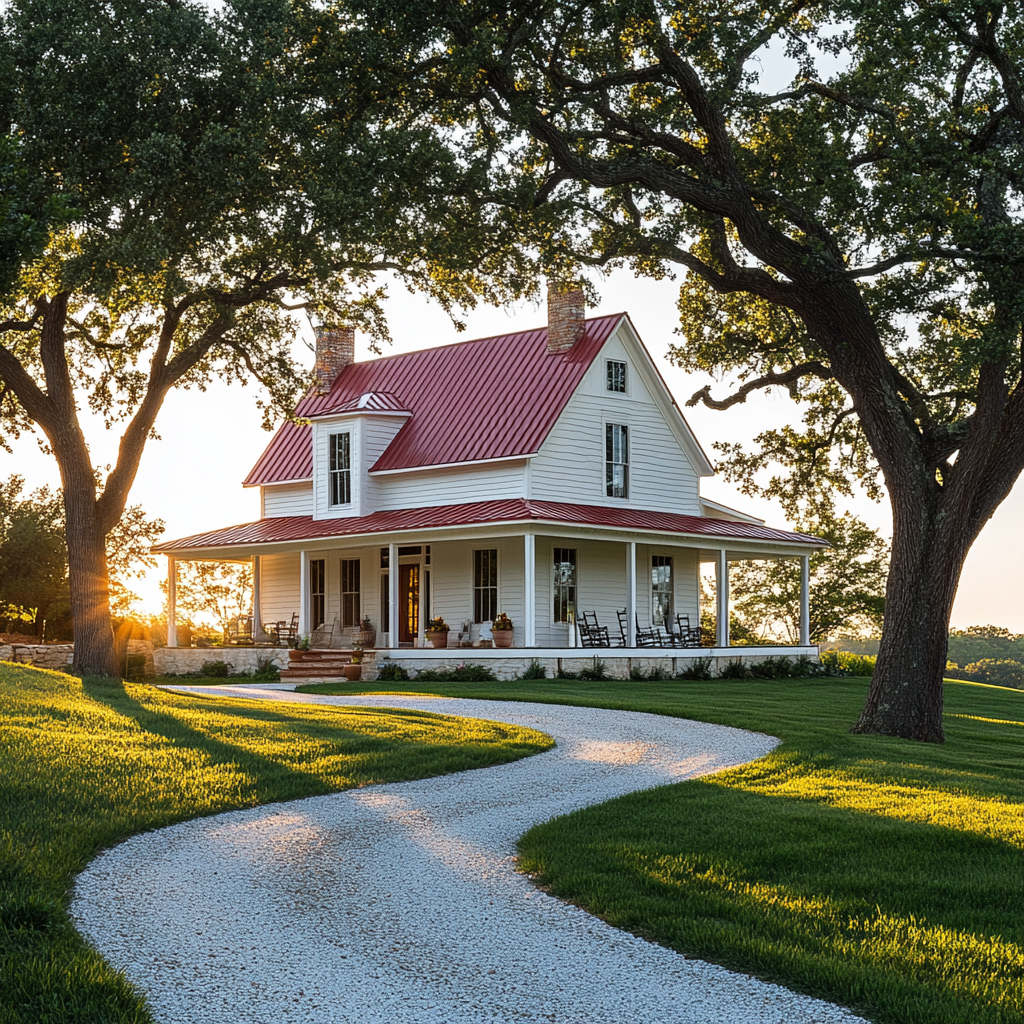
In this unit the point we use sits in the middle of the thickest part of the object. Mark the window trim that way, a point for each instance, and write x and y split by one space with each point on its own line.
317 598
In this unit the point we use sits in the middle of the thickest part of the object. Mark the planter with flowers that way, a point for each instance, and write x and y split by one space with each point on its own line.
354 669
437 632
501 631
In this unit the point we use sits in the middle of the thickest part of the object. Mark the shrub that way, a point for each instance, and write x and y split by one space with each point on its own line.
535 670
735 668
596 674
653 674
392 673
215 670
134 667
699 668
266 671
460 674
843 663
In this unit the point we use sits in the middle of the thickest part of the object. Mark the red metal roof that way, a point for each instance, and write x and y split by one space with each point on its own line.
493 398
294 528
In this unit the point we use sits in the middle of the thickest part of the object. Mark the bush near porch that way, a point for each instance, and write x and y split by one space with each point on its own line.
874 872
84 765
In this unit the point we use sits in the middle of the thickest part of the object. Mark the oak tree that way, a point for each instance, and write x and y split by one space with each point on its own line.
204 177
855 237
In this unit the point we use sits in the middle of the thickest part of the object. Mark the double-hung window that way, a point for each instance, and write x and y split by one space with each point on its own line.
485 585
350 592
616 444
340 469
661 590
565 584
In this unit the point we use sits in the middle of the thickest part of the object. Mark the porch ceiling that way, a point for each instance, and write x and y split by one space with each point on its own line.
742 540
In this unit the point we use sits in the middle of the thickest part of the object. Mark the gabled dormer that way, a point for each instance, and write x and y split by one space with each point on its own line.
346 442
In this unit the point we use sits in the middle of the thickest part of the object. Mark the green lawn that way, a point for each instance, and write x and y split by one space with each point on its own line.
879 873
83 766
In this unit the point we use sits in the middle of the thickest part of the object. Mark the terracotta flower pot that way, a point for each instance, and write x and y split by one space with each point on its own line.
438 639
502 637
353 672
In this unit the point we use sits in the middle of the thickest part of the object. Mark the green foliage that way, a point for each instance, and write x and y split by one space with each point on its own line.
392 672
980 643
34 556
535 670
699 668
84 765
213 592
991 670
843 663
847 582
215 670
460 674
654 674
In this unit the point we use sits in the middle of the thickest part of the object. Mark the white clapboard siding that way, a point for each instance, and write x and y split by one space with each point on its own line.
571 463
287 500
279 587
453 486
452 578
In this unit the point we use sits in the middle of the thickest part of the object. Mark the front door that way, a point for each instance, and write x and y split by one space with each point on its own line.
408 603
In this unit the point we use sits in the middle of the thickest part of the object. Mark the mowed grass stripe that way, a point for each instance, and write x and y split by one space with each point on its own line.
879 873
83 766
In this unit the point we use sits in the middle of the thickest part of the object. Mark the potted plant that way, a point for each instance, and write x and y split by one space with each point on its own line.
354 669
367 635
437 632
501 631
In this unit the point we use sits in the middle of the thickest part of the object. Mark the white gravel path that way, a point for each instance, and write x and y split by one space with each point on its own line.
400 904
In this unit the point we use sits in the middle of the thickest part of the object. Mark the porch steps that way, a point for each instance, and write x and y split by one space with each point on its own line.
306 665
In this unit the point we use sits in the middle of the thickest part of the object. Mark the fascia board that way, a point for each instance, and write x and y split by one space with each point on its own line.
751 548
282 483
452 465
655 382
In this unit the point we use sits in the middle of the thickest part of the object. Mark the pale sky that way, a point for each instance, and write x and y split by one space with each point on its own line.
191 478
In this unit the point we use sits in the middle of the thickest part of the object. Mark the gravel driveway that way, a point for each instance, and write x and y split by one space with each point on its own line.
400 903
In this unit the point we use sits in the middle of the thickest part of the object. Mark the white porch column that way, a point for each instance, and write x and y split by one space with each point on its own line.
257 596
722 594
805 600
631 594
393 631
172 602
529 590
303 593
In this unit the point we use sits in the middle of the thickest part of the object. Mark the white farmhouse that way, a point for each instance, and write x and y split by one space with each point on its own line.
542 474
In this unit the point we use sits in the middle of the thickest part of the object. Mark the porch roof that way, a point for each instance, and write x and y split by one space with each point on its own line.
292 529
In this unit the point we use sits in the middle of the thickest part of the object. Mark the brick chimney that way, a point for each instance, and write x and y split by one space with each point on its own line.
335 349
566 312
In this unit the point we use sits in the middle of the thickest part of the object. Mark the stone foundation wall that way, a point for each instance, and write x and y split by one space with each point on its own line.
180 660
617 664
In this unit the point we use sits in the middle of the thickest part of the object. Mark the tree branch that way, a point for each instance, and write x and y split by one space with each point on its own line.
813 368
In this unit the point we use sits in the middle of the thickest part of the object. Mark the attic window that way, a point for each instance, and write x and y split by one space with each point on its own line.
616 376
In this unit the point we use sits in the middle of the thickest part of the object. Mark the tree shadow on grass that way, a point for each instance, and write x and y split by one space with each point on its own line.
273 779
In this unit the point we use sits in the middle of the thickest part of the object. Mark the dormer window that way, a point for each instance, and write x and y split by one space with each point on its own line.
616 380
340 469
616 441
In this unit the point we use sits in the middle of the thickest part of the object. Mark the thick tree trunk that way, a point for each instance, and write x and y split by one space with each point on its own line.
930 544
89 586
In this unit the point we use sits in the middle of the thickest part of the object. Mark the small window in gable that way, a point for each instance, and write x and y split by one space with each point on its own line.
616 376
340 469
